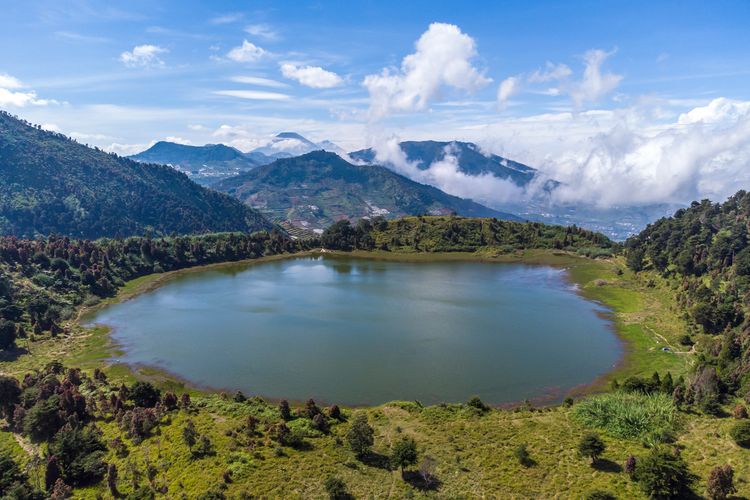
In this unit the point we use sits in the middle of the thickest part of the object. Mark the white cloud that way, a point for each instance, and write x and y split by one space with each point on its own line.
259 95
594 84
143 56
178 140
508 88
11 95
552 72
442 59
247 52
226 18
446 175
311 76
263 31
255 80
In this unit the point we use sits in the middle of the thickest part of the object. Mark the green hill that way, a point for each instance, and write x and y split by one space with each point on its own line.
319 188
51 184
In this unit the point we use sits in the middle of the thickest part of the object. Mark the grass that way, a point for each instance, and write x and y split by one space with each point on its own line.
474 452
631 416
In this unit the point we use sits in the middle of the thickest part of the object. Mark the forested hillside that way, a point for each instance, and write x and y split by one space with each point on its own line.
459 234
319 188
704 251
43 281
50 184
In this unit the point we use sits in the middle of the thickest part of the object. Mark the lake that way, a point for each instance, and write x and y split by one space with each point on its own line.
358 331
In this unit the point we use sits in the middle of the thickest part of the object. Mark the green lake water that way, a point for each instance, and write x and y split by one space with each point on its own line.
357 331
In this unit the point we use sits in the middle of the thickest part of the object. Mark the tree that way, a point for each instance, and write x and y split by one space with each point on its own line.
591 446
189 434
475 402
630 464
10 473
720 483
43 419
144 394
360 435
80 454
663 474
336 489
10 395
284 410
7 334
404 453
740 432
112 480
334 412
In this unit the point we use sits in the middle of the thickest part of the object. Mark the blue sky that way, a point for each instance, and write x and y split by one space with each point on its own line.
121 75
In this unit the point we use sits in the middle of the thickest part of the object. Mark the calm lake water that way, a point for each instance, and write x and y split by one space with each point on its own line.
353 331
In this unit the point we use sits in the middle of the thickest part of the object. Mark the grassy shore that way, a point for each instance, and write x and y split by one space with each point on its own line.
474 453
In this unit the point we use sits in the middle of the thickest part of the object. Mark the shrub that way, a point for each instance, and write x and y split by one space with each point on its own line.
475 402
599 495
720 483
663 474
591 446
336 488
739 412
522 455
627 415
284 410
404 453
144 394
740 432
80 453
360 435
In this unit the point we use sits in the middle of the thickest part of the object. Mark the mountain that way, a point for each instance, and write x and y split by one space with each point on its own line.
203 164
616 222
51 184
319 188
471 160
214 162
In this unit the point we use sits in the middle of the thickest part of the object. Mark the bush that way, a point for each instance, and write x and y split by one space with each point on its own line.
144 394
80 452
599 495
740 432
663 474
360 435
475 402
628 415
591 446
720 483
404 453
336 489
522 455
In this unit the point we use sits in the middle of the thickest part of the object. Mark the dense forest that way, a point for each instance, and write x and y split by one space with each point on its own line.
704 250
50 184
459 234
42 281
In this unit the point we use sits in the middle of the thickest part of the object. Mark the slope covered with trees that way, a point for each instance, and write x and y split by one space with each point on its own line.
704 251
459 234
319 188
50 184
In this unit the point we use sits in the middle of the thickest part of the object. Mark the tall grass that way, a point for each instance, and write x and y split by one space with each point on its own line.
628 415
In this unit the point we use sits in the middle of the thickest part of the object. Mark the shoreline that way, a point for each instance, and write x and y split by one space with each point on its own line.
568 262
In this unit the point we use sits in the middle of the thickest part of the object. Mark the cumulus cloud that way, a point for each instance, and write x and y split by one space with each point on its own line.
446 175
443 59
311 76
14 93
508 88
704 153
143 56
247 52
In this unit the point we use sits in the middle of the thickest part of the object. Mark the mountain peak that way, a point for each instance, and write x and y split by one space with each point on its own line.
291 135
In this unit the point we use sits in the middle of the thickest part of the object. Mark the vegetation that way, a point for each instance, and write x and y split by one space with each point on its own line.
320 188
50 184
628 415
591 446
662 473
457 234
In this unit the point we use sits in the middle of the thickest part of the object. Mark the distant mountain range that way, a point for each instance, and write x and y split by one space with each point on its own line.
471 160
50 184
316 189
214 162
